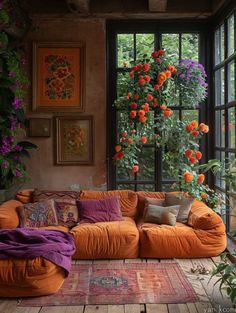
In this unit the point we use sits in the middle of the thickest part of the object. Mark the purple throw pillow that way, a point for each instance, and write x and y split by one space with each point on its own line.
104 210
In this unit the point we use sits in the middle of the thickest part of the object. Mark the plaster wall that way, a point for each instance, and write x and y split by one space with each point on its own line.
43 172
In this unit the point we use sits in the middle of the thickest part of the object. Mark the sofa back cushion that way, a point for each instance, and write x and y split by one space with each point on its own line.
42 195
67 212
128 199
161 215
147 194
25 195
103 210
8 214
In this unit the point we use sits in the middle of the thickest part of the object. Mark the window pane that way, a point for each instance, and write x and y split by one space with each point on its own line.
122 79
170 187
222 133
231 127
125 47
147 164
122 119
219 45
190 46
230 25
123 173
231 82
217 128
219 87
125 187
170 42
146 187
144 45
219 181
189 115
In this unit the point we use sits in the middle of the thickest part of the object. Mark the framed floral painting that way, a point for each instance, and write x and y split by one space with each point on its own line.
74 140
58 77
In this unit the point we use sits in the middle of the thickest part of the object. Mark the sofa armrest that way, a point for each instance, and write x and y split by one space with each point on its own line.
8 214
203 217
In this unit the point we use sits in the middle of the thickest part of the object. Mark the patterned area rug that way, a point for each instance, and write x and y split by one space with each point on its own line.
120 283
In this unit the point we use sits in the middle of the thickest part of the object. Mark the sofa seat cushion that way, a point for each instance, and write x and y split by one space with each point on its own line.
180 241
102 240
29 277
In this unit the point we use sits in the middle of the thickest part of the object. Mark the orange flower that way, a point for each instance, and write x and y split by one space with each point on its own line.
204 195
132 114
160 82
192 160
163 107
136 96
118 156
174 71
188 177
143 139
189 128
168 74
139 66
141 113
201 178
198 155
146 67
194 123
124 134
129 94
130 140
162 76
147 78
133 105
195 133
168 112
131 74
145 107
149 97
142 119
118 148
188 153
170 68
135 168
142 81
203 128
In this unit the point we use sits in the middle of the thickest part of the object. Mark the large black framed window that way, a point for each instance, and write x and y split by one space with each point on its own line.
224 73
127 41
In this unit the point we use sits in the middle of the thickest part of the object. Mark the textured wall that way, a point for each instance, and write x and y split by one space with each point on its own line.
44 174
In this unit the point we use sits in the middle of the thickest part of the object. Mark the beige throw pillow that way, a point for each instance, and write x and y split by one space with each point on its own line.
155 201
185 206
161 215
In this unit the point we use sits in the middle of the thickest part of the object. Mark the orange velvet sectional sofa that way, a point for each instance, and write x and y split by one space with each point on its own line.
203 236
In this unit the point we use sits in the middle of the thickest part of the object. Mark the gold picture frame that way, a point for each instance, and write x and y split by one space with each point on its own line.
73 140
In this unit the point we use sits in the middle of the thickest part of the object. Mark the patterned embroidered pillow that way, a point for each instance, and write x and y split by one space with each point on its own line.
38 214
42 195
67 212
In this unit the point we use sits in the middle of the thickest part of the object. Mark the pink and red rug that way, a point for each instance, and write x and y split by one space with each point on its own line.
120 283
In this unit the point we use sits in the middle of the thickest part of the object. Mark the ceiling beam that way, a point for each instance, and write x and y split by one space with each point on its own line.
157 5
78 6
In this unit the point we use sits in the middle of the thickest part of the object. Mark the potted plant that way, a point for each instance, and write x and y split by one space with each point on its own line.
13 85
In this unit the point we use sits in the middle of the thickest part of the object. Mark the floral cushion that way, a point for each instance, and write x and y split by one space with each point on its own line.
67 212
38 214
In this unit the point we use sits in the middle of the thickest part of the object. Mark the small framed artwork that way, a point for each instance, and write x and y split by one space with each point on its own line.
58 76
39 127
74 140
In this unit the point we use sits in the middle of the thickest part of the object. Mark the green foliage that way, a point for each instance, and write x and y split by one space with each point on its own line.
13 83
226 273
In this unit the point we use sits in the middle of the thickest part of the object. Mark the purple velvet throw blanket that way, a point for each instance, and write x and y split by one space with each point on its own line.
55 246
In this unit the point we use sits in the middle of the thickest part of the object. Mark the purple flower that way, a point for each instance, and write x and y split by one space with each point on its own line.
16 158
18 148
1 4
6 145
12 74
5 164
182 76
23 61
17 103
17 172
13 123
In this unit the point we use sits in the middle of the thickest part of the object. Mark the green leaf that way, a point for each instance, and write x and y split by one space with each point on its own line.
27 145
